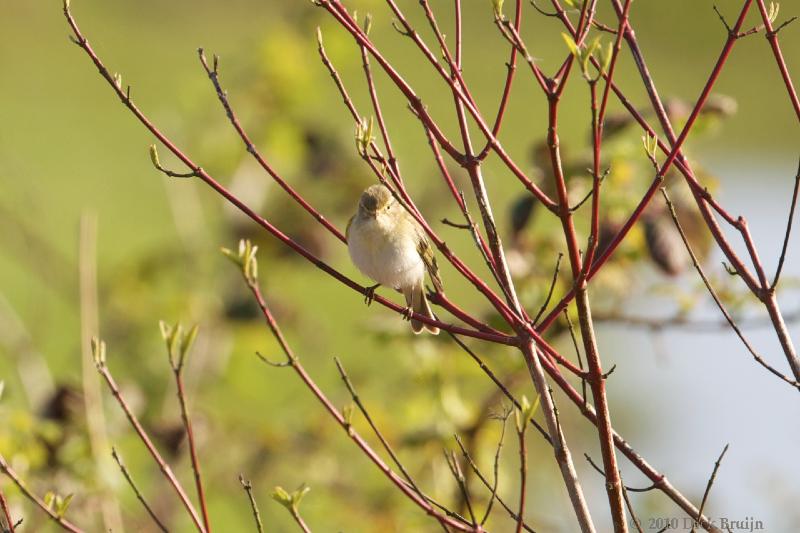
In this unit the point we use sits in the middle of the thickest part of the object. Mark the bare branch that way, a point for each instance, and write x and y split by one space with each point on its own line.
144 437
248 488
136 490
550 291
711 479
789 220
7 514
717 299
488 485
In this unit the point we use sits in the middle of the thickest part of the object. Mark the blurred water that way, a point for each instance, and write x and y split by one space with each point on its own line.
695 392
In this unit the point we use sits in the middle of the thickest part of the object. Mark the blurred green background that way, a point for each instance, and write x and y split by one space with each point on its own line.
69 150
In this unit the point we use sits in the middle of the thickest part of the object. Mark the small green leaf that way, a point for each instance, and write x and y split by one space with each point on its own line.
347 414
586 57
606 55
519 414
49 499
299 494
166 330
98 352
290 501
154 156
650 143
573 48
364 135
593 46
230 254
188 340
245 259
525 412
368 23
250 264
62 504
280 495
534 408
497 5
174 340
774 9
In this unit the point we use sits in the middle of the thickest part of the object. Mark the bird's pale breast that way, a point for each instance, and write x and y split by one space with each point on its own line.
385 249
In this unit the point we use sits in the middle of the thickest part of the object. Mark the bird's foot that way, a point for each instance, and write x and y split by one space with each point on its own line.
407 313
370 294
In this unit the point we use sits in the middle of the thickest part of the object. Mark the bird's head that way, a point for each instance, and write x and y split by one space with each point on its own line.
376 199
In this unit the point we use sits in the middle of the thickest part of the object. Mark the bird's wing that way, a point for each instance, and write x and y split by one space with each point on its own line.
425 251
347 229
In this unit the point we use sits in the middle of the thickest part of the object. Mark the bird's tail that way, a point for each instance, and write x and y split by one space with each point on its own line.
415 298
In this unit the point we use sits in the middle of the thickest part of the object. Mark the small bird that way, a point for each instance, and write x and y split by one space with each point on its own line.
389 246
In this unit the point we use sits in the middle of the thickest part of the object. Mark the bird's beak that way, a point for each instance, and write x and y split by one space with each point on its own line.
366 212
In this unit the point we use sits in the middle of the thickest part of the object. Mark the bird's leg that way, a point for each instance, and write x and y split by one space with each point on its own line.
370 294
407 312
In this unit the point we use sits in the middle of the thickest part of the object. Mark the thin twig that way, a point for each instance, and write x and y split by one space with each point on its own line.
717 299
299 519
523 474
542 11
456 225
213 75
571 329
458 475
248 488
499 384
711 479
685 323
145 438
6 513
136 490
361 407
550 291
511 512
376 106
627 488
636 522
722 19
511 66
496 468
789 220
177 370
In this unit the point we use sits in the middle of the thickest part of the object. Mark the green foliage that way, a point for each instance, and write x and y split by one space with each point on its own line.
420 391
178 343
57 503
245 258
525 412
290 500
